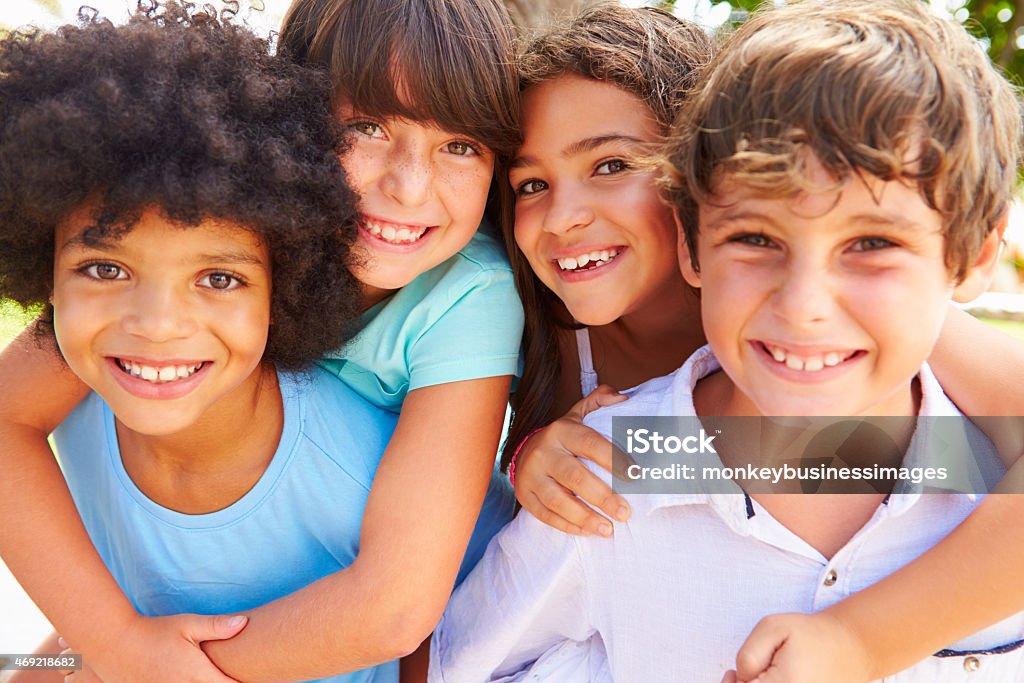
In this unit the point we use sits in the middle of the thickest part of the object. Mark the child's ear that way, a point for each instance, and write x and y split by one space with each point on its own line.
690 274
980 273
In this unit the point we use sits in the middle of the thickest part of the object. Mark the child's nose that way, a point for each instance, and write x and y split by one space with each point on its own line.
159 313
567 210
804 296
409 177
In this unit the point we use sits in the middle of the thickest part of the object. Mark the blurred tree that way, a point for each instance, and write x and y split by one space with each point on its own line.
51 6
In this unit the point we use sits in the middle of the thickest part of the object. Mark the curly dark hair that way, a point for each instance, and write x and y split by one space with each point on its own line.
181 110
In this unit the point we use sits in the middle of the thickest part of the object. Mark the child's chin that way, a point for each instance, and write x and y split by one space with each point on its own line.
818 406
148 422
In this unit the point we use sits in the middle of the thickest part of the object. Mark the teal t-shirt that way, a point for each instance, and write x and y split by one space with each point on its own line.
460 320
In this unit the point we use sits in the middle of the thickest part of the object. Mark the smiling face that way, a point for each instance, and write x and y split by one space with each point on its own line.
422 196
592 226
822 304
164 322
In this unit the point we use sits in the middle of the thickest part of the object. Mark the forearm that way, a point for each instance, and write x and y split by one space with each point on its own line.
44 544
42 539
959 587
425 498
342 623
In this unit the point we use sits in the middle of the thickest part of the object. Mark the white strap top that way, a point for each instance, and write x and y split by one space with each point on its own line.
588 376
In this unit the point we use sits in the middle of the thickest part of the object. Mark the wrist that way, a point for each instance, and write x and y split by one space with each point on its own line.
515 456
110 636
857 646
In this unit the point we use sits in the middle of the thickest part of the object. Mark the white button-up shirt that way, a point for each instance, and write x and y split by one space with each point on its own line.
677 589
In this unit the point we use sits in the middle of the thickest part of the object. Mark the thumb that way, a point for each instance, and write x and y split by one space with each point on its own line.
218 627
602 396
729 677
757 653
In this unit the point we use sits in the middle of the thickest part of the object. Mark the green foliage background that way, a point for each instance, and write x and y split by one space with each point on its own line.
999 24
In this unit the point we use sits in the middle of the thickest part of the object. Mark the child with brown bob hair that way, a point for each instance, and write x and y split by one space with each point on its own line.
465 646
427 93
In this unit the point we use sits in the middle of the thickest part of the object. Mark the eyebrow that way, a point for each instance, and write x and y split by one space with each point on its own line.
239 257
888 221
579 147
107 244
736 217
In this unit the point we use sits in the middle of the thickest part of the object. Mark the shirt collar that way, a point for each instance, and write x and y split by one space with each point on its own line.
955 440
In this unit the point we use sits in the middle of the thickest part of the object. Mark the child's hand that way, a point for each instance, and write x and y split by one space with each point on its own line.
158 649
549 476
801 648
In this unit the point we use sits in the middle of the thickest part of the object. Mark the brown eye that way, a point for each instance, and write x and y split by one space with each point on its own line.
611 167
367 128
459 148
104 271
531 187
221 281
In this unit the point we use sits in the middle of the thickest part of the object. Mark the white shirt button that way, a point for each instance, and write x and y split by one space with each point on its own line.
972 664
831 577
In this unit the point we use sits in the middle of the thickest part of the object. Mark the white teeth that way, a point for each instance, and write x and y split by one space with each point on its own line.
594 259
809 364
156 374
389 233
813 364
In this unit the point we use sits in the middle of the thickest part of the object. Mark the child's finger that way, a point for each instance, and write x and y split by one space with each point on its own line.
729 677
756 653
561 501
535 507
574 476
588 443
604 395
200 627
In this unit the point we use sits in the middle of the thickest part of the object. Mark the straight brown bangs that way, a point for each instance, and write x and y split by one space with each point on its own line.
870 88
444 62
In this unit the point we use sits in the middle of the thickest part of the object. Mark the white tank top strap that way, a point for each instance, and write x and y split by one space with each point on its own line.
588 376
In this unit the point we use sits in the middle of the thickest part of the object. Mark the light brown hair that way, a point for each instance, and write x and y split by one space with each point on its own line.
646 52
882 87
449 62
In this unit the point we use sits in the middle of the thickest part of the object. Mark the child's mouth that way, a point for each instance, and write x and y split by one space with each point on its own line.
159 374
589 261
391 233
808 362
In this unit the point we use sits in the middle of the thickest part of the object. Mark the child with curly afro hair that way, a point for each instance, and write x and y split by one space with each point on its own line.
172 194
